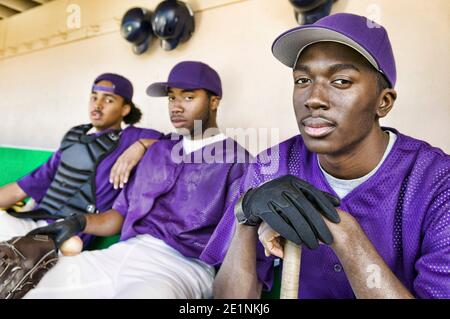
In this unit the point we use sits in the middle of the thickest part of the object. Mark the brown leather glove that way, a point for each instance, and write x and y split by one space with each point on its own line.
23 262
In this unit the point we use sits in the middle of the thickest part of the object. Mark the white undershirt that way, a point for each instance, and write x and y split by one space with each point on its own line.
344 186
190 146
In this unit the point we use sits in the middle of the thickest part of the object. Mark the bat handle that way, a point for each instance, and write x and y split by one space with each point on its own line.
291 271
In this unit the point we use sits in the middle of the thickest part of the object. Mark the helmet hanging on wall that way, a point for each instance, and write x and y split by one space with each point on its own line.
136 28
173 23
309 11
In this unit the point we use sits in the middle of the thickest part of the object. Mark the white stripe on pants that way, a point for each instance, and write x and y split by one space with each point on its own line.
12 227
141 267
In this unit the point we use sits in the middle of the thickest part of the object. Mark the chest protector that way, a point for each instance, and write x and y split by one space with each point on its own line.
73 188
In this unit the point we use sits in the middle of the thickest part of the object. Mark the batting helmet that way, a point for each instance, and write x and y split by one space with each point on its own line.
173 22
136 28
309 11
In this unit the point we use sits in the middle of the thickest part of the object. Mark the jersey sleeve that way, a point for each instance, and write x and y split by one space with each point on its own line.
121 204
217 247
433 265
150 134
37 182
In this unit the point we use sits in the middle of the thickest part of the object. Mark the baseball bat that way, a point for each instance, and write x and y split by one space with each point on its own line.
291 271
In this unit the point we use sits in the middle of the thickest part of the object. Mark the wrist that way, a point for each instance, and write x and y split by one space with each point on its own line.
346 233
245 231
142 144
242 215
81 219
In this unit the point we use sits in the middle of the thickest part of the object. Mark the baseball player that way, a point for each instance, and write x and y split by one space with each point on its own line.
167 211
76 179
390 235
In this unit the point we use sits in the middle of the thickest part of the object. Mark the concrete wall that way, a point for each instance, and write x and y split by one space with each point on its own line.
46 68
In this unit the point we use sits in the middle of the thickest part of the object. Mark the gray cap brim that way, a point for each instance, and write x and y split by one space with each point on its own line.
288 46
160 89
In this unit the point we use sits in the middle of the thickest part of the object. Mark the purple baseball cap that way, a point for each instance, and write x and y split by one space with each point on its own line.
121 85
363 35
189 75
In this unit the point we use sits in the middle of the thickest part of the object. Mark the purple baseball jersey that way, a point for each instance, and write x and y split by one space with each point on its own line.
404 209
180 199
37 182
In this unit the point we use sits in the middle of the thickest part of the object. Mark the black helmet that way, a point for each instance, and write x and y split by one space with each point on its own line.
137 28
309 11
173 22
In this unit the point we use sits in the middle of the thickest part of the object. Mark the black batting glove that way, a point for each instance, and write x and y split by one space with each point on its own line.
291 207
62 230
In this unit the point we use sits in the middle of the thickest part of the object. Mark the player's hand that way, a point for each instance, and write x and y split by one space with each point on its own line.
62 230
272 242
120 172
291 207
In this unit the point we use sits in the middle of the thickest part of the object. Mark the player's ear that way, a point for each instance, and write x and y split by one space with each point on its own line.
214 102
386 102
126 109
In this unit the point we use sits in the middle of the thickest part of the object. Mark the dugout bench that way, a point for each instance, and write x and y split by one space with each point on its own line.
16 163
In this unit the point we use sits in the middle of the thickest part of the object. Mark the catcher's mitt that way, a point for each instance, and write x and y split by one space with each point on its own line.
23 263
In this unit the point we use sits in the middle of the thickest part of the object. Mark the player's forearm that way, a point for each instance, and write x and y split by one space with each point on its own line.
11 194
237 277
147 142
366 271
105 224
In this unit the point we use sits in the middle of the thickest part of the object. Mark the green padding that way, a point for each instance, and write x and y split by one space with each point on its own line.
275 292
103 242
15 163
